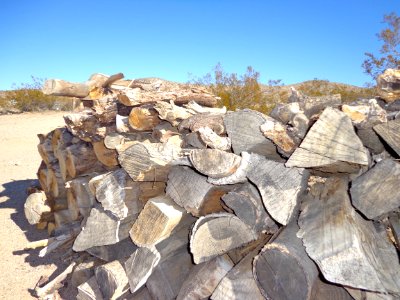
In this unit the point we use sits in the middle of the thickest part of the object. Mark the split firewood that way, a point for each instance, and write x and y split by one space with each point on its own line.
60 140
115 139
285 112
278 134
214 163
193 140
280 187
326 291
118 251
213 140
389 132
45 150
243 128
204 278
283 270
62 217
358 294
113 279
216 234
172 113
104 155
354 254
331 145
81 160
142 294
372 192
105 110
89 290
143 118
163 131
212 121
37 209
55 182
84 271
80 199
246 203
156 221
191 191
58 241
394 222
388 85
199 109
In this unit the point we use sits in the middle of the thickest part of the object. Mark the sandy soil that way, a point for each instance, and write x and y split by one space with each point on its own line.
19 160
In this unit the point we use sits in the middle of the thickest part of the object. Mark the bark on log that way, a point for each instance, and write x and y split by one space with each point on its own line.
213 140
372 192
280 187
216 234
81 160
243 128
389 132
60 140
354 253
58 87
37 208
283 270
331 145
113 279
213 121
45 150
279 135
172 113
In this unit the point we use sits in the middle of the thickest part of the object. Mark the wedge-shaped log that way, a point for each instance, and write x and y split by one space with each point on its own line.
214 163
243 128
394 222
331 145
82 198
372 192
239 283
118 251
81 160
390 133
213 140
89 290
112 278
191 191
102 228
107 157
143 261
354 253
280 187
246 203
216 234
156 221
45 148
283 270
168 277
60 140
37 209
212 121
143 118
279 135
326 291
204 278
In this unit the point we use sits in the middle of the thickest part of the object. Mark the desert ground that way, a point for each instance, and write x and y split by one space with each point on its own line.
21 269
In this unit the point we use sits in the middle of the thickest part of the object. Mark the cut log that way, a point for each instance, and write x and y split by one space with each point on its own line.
371 140
45 150
106 156
372 192
55 182
89 290
394 222
143 118
216 234
172 113
60 140
142 294
102 228
193 140
213 121
388 85
105 110
213 140
328 291
81 160
214 163
285 112
157 220
243 128
280 187
114 139
42 175
72 205
163 131
358 294
118 193
37 208
167 278
83 272
81 195
118 251
246 203
389 132
191 191
113 279
204 278
283 270
278 134
62 217
354 253
199 109
331 145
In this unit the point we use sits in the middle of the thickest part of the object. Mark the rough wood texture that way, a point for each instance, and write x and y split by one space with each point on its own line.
89 290
326 291
58 87
216 234
107 157
82 196
354 253
283 270
118 251
388 85
143 118
213 140
389 132
372 192
214 163
246 203
191 191
204 278
331 145
60 140
278 134
243 128
213 121
280 187
394 222
37 209
358 294
172 113
157 220
113 279
81 159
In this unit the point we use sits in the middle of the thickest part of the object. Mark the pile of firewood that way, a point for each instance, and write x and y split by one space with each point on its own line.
156 194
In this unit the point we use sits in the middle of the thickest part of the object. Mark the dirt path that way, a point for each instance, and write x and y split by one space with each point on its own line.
19 161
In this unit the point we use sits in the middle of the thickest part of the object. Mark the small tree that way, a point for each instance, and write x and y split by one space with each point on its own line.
390 51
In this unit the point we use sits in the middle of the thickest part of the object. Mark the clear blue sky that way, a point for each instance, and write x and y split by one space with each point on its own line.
289 40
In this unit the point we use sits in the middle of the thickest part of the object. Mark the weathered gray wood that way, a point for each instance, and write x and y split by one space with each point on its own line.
214 163
216 234
358 294
102 228
112 278
388 85
213 121
193 140
118 251
239 283
372 192
323 290
204 278
371 140
331 145
283 270
243 128
279 135
89 290
156 221
58 87
37 209
394 222
82 195
167 278
191 191
390 133
163 131
354 253
285 112
83 272
280 187
246 203
213 140
81 160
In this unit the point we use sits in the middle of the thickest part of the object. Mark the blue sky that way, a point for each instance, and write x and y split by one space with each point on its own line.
289 40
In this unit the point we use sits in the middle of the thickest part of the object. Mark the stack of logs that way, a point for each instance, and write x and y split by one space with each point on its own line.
156 194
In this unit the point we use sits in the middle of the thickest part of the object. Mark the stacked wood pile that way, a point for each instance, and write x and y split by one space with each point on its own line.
154 193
